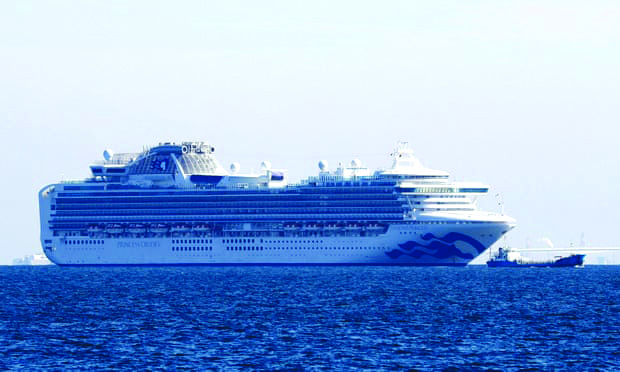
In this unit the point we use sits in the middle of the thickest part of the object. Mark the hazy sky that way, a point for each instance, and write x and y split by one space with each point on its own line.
523 95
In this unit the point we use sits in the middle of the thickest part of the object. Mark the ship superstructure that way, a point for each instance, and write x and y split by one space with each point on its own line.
174 204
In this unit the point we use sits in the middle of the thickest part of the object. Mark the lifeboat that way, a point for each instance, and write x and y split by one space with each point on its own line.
201 228
136 228
158 228
353 227
180 228
312 227
375 227
114 228
94 229
291 227
332 227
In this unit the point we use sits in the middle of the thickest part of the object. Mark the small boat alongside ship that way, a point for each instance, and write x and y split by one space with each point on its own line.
508 258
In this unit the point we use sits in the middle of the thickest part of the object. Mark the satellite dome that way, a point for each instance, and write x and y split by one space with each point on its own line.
356 163
323 166
235 167
108 154
265 165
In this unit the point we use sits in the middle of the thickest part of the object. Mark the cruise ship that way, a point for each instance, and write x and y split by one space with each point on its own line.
174 204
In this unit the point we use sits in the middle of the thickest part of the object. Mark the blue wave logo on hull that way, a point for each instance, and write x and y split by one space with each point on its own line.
442 248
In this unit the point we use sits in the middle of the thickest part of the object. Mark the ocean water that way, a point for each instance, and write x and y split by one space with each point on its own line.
310 318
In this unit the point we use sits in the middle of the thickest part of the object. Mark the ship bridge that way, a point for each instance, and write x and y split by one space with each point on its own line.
406 165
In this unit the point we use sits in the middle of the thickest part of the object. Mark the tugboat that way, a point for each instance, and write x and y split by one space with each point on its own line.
507 258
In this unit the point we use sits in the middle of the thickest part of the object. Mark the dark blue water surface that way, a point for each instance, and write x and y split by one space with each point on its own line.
309 318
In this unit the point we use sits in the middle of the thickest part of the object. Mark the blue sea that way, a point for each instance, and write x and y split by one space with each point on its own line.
309 318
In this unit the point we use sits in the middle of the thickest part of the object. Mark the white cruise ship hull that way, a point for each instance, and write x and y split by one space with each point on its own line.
404 244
